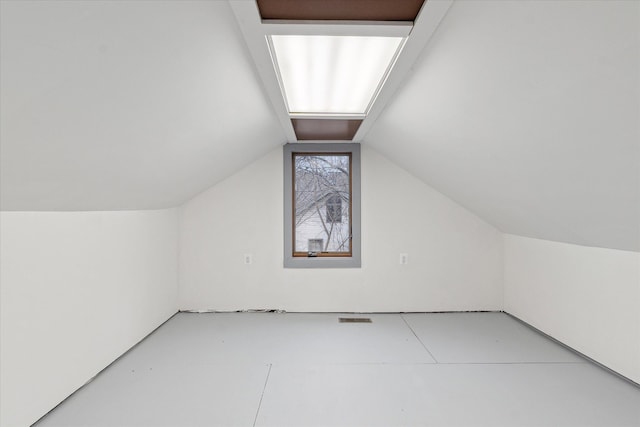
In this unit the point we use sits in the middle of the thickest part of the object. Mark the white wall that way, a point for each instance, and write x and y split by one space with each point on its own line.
455 259
77 290
588 298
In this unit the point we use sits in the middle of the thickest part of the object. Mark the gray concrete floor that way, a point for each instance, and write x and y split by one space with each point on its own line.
271 369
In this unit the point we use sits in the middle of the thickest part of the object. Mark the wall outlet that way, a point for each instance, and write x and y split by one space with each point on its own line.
404 259
248 259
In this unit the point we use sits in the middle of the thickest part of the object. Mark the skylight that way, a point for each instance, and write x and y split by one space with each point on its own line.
332 75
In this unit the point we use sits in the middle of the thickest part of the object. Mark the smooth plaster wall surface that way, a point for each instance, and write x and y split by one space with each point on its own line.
455 258
588 298
78 289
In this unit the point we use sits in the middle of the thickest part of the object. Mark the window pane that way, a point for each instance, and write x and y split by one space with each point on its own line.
322 191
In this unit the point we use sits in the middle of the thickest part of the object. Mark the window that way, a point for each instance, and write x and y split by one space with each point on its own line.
320 182
322 205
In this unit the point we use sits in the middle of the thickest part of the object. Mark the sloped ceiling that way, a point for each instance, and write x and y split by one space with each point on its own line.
525 112
110 105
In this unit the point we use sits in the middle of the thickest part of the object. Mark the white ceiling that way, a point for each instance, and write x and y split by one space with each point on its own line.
125 104
527 113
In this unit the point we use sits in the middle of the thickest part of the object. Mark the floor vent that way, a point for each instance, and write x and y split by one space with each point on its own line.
354 320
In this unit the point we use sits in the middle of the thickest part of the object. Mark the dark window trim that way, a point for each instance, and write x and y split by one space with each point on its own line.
324 260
